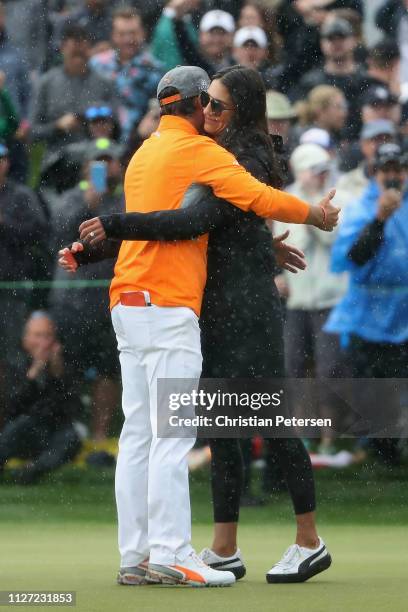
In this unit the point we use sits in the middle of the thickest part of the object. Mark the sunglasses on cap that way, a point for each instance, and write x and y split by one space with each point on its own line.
98 112
217 107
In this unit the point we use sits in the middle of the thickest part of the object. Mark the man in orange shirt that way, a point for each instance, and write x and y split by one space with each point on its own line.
155 299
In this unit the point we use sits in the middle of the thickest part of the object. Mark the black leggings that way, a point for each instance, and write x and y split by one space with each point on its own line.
227 476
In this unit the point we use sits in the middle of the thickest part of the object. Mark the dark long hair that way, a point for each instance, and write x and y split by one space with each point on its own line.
248 127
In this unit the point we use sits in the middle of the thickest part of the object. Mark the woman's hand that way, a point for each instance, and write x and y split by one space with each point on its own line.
92 231
66 257
287 256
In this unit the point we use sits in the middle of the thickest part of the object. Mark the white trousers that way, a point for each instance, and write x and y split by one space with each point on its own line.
151 486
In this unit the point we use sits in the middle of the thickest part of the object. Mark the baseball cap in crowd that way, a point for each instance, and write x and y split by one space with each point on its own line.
188 81
217 19
388 153
379 95
278 106
310 157
103 147
336 28
3 150
317 136
381 127
253 34
96 112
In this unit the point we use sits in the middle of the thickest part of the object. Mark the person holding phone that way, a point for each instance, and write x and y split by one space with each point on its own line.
372 245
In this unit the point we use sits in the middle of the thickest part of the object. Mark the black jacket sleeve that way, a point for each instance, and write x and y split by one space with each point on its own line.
368 243
108 249
203 213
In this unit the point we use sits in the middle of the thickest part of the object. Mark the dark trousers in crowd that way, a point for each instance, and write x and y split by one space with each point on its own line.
380 360
26 437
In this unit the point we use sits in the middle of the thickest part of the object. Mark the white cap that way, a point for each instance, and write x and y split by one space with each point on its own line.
217 19
317 136
250 33
310 157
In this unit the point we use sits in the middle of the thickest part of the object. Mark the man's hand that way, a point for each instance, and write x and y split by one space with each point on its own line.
92 231
325 215
66 257
389 202
68 123
287 256
183 7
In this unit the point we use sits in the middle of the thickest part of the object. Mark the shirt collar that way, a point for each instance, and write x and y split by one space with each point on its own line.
172 122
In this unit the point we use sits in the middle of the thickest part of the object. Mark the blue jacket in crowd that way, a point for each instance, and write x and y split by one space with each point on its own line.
375 306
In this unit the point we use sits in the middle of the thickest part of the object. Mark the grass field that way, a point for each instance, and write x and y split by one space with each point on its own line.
61 535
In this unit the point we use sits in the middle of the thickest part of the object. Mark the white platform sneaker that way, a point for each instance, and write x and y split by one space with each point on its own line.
298 564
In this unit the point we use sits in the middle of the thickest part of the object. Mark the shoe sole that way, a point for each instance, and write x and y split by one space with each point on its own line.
319 566
137 581
154 577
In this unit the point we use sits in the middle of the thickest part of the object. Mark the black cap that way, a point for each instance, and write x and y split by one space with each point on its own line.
379 95
336 27
389 152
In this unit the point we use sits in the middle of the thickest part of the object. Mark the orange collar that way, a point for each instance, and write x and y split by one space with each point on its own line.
171 122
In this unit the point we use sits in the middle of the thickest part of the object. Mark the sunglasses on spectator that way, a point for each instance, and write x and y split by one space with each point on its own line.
98 112
217 107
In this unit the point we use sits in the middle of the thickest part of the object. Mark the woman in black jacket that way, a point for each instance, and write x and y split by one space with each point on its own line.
241 319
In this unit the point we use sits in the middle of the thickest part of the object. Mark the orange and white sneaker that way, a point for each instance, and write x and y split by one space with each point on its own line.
191 572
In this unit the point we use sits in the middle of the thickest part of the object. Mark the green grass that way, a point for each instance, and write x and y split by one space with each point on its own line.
369 570
61 535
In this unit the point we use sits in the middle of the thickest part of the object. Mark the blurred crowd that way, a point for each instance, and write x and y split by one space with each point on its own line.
78 83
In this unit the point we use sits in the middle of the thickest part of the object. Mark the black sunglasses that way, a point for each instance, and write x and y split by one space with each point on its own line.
217 107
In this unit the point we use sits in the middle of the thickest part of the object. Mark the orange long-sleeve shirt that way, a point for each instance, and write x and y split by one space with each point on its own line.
158 175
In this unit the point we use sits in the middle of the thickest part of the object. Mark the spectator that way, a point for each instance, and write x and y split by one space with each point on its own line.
82 314
298 26
325 107
379 103
392 18
339 70
95 16
352 184
280 115
131 69
214 50
384 66
256 14
251 50
22 231
322 138
165 45
13 66
216 35
372 245
40 420
63 95
312 294
27 29
64 167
